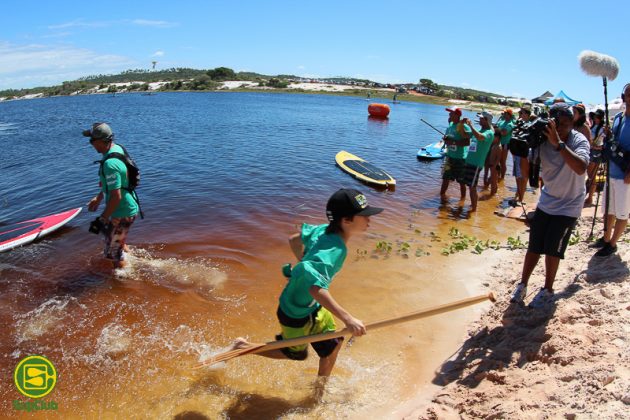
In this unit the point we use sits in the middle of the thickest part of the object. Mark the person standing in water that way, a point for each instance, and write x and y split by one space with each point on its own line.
306 306
121 206
457 139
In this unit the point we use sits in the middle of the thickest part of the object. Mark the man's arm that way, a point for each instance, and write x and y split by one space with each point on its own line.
95 202
325 299
297 247
576 163
475 133
112 204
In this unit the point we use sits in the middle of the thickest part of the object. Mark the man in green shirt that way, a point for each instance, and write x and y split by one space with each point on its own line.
457 139
121 206
306 306
477 152
506 124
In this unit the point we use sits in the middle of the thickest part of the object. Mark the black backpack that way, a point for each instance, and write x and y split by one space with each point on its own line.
133 173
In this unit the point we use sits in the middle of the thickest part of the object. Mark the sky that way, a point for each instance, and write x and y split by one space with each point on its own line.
510 48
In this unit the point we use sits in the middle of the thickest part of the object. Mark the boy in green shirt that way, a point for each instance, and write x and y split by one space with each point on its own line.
306 306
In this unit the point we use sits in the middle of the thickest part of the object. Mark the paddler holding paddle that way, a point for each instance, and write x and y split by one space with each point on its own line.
306 306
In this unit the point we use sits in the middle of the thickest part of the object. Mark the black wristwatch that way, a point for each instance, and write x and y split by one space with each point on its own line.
561 146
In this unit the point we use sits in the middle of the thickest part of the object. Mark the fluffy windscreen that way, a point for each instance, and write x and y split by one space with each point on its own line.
597 64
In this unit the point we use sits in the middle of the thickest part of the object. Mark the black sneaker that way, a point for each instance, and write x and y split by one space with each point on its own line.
606 250
512 202
600 243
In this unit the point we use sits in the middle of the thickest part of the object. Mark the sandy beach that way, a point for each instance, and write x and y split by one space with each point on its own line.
569 360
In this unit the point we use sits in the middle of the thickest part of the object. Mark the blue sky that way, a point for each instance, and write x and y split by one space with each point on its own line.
511 48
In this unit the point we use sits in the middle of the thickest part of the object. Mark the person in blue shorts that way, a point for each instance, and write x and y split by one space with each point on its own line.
306 306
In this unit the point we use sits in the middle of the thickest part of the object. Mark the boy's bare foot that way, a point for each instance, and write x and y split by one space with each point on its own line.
240 343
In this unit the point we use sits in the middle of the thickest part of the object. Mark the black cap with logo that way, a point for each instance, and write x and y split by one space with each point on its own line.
347 202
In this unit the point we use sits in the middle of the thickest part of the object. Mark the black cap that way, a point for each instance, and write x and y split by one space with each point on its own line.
561 109
347 202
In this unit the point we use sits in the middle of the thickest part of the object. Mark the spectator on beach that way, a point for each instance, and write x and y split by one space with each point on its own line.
579 121
480 144
521 165
506 124
306 306
598 135
619 201
457 139
491 167
564 159
121 205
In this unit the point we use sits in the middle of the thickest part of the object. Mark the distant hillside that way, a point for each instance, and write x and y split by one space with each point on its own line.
176 79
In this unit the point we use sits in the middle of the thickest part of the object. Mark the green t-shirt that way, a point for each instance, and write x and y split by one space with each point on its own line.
508 126
114 176
453 151
478 149
324 255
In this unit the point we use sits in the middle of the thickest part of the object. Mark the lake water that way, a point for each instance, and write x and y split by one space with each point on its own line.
226 178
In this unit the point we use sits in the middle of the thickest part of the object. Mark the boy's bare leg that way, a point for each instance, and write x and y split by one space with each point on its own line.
327 363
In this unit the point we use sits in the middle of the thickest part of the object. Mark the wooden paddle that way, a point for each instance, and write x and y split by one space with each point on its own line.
273 345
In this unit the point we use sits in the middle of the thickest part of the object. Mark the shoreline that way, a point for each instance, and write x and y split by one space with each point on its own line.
298 88
568 360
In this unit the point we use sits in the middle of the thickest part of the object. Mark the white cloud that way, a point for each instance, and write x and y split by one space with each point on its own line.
154 23
158 53
301 67
34 65
80 23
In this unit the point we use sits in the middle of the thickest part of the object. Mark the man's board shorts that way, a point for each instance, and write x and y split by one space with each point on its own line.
117 237
549 235
453 168
318 322
470 175
619 204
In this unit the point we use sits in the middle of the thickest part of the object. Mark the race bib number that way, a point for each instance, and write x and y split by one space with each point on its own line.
452 148
473 146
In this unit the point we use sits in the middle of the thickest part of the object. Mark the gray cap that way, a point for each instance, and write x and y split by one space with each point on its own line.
99 131
561 109
486 115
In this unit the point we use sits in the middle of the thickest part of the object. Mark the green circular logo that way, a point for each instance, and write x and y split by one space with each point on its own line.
35 376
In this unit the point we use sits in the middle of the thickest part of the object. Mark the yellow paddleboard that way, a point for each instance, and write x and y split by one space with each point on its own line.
363 170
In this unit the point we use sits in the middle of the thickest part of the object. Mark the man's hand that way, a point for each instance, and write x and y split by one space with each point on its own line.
356 326
94 203
552 134
467 122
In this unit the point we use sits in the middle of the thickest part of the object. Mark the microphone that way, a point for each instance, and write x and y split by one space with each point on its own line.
597 64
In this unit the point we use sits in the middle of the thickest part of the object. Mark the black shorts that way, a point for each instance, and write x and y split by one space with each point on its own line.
470 175
549 235
453 168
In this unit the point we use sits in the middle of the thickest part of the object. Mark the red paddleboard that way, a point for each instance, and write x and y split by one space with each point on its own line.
23 233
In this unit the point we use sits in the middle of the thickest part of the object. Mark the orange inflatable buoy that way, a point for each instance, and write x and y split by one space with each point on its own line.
378 110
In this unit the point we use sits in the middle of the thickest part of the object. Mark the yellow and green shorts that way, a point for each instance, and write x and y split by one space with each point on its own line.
320 321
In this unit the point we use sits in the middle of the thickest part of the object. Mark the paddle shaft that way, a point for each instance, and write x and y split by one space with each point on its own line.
421 119
274 345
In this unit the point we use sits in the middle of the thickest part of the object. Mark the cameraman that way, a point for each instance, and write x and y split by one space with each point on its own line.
564 159
121 207
619 204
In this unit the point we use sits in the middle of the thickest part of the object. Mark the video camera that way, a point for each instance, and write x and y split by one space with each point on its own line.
97 226
528 135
